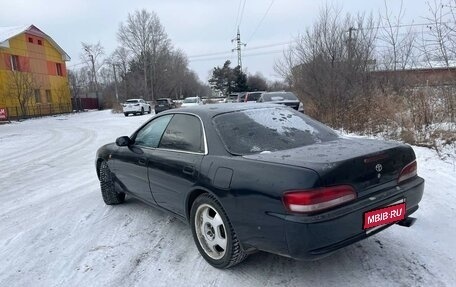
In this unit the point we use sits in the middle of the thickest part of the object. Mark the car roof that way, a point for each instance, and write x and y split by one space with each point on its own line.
211 110
279 92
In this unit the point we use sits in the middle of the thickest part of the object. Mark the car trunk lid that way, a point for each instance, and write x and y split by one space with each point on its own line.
367 165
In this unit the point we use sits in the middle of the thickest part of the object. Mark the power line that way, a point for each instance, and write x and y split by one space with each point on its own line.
237 15
402 26
246 49
261 21
77 64
244 56
242 14
269 45
210 54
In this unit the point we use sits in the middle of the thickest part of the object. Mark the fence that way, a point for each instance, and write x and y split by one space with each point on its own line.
39 110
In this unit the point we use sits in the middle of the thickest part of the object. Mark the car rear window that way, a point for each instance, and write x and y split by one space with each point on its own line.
162 102
268 97
190 100
132 101
269 129
254 96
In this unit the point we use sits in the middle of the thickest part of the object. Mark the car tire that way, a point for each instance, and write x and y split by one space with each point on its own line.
108 192
126 114
142 111
150 110
213 233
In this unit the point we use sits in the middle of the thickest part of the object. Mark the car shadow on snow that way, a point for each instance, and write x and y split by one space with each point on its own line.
367 261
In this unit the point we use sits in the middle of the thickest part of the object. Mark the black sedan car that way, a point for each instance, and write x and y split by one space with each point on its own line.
164 104
250 177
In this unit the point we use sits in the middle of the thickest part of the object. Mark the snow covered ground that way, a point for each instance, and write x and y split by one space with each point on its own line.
55 229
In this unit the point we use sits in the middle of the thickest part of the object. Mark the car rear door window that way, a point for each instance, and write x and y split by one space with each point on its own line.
150 134
183 133
269 129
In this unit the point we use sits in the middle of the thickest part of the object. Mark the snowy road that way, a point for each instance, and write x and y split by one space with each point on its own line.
55 229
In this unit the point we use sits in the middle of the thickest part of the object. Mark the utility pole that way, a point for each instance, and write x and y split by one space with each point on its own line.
350 40
115 81
94 76
239 44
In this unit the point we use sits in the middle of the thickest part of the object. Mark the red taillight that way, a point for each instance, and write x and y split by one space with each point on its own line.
407 172
307 201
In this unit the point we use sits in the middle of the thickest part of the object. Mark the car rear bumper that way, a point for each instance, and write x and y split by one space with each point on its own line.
316 236
133 109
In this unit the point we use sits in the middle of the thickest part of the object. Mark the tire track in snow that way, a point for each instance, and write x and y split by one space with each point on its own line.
55 135
51 154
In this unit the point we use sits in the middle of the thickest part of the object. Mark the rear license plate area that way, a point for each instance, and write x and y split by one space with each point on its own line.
379 217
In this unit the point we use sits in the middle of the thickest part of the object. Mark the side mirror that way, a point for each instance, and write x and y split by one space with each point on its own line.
123 141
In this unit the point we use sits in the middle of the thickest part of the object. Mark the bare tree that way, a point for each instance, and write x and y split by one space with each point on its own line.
396 46
78 80
22 86
439 48
144 36
257 82
121 59
92 55
438 43
328 67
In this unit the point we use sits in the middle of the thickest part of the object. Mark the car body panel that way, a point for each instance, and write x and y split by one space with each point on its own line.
171 175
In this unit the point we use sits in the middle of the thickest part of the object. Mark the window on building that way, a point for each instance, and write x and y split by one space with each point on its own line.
30 39
15 63
48 96
59 69
37 96
40 42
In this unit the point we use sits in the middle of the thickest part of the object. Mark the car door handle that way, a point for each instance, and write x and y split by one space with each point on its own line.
189 170
142 161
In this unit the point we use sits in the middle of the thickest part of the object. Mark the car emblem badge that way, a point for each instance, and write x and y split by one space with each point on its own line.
378 167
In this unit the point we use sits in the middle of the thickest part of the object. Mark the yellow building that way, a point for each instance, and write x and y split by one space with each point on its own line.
33 75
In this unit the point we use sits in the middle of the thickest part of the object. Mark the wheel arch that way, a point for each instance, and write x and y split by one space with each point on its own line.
98 164
193 194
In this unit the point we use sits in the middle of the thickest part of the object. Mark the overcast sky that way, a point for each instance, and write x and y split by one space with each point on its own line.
196 27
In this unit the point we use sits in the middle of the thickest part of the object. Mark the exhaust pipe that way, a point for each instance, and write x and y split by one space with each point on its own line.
407 222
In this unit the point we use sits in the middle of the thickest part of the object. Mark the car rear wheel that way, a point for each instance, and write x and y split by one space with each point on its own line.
142 111
126 114
213 233
108 192
150 110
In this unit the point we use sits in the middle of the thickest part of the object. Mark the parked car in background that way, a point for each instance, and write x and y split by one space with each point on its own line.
136 106
251 97
164 104
191 101
233 98
284 98
250 177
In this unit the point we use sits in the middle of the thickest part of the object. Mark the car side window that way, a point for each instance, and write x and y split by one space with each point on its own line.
184 133
150 134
